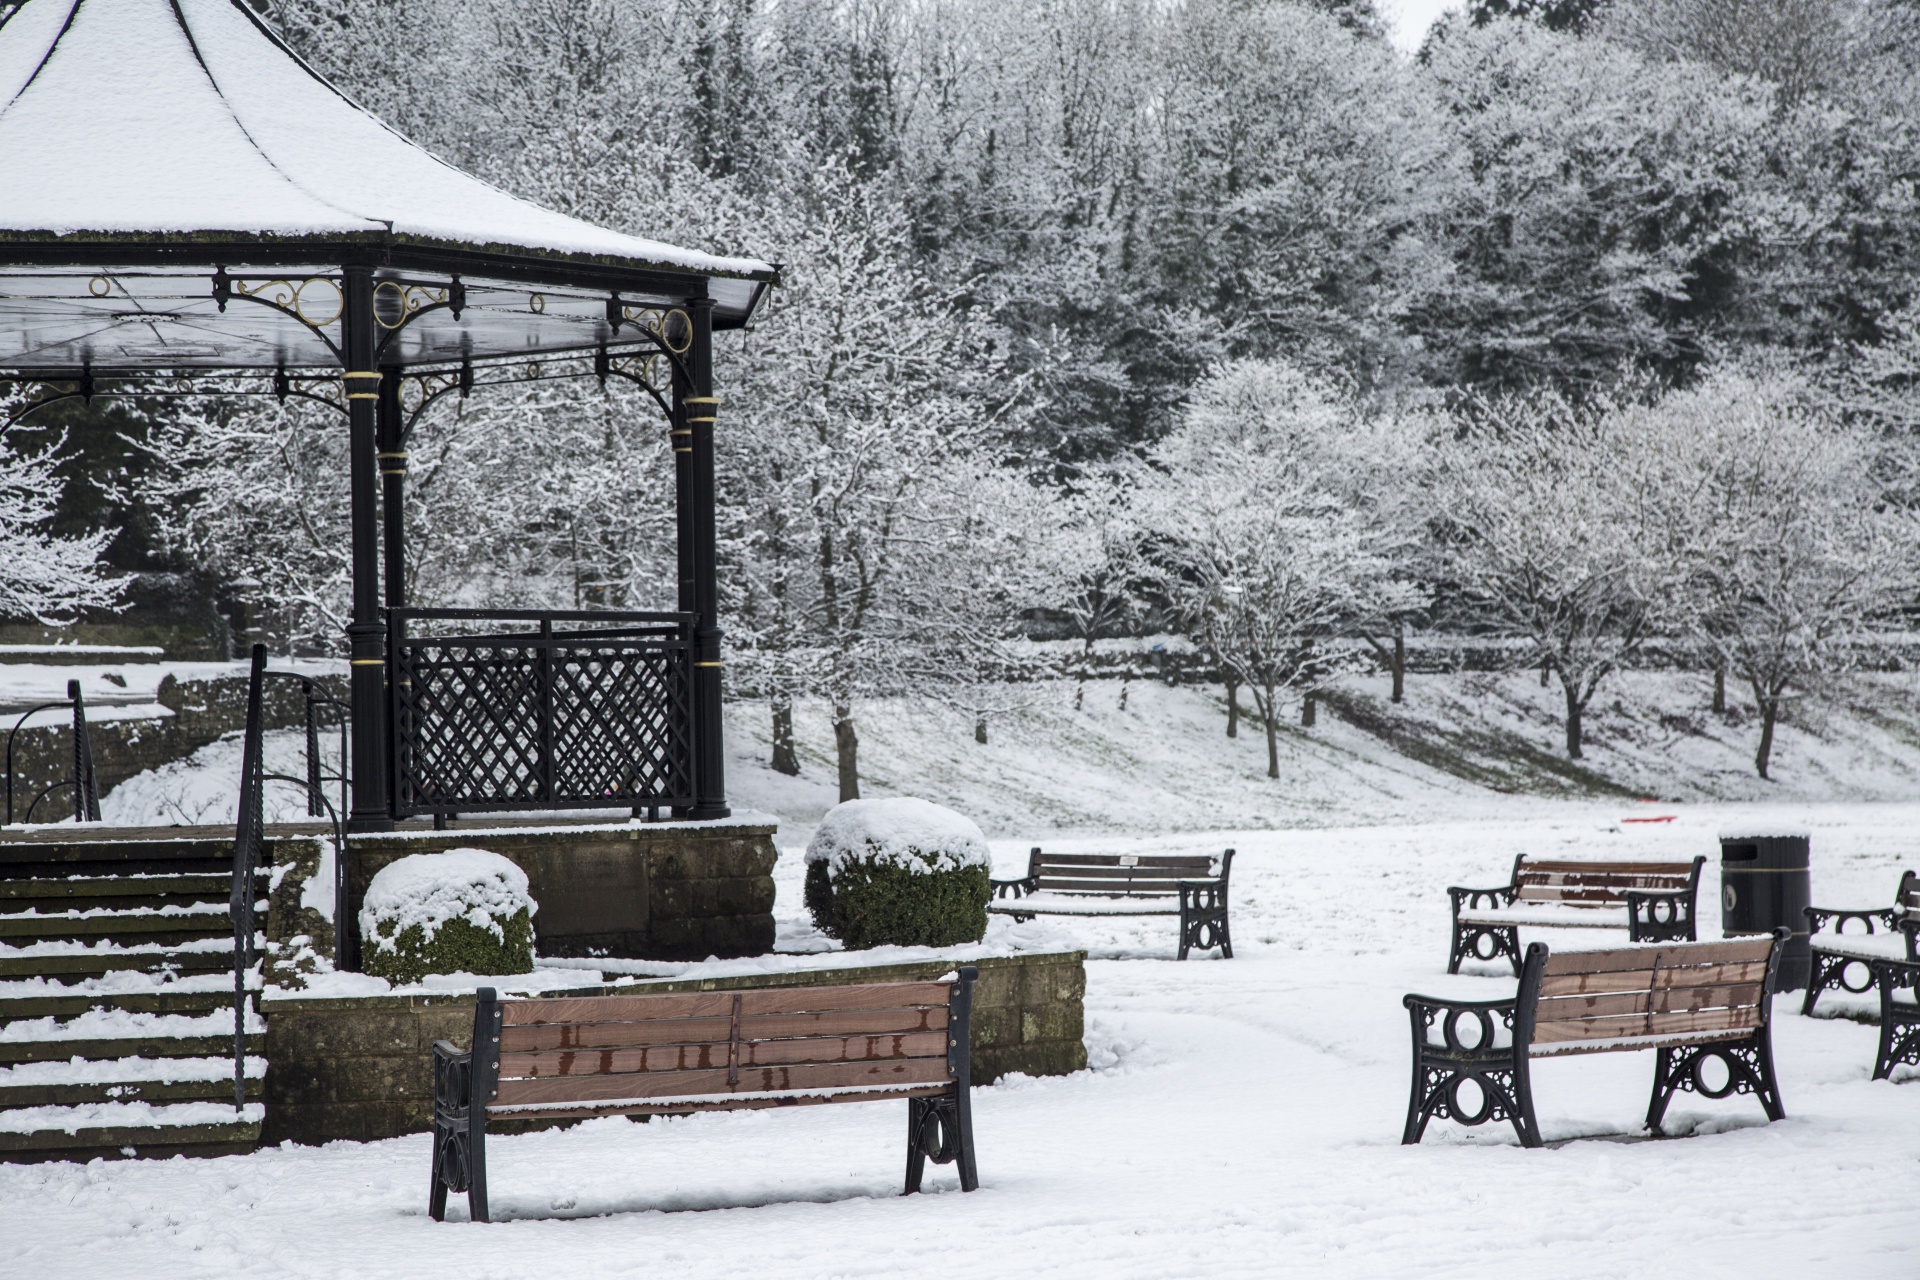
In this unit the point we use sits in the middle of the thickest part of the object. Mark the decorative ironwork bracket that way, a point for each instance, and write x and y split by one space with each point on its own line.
398 302
52 391
429 387
283 294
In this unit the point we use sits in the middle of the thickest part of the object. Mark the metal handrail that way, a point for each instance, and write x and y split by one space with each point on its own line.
86 784
248 822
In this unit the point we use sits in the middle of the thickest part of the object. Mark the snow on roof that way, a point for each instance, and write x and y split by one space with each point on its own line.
148 117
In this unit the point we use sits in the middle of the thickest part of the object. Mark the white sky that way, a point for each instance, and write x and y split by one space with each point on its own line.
1411 18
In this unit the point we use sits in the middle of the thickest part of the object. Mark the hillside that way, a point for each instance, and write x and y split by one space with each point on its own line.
1459 745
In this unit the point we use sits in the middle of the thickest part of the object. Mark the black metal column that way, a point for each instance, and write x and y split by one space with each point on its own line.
696 412
366 634
392 457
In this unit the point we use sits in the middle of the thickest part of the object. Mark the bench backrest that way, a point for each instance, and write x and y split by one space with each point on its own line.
1600 884
1676 992
1122 875
626 1054
1906 899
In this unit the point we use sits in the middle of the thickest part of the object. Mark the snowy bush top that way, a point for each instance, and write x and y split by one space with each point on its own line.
916 834
1766 830
431 889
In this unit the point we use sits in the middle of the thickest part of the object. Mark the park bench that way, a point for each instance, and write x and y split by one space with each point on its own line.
646 1055
1690 1001
1888 933
1652 901
1193 887
1899 1019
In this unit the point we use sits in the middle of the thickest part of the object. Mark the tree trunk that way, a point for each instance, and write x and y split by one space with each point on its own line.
1307 711
1720 694
1399 661
1546 669
980 728
1573 721
846 745
1126 683
1233 708
784 759
1769 713
1079 690
1273 736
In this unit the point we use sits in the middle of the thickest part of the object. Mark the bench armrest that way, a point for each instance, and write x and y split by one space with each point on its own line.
1476 899
1489 1018
1014 888
1819 918
1661 917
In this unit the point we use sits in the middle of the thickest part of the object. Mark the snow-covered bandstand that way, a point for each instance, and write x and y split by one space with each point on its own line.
185 200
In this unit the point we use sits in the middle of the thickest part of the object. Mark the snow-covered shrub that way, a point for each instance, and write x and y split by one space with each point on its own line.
462 911
899 871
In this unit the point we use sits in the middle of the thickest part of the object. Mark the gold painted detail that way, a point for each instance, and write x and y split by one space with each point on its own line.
709 664
405 299
290 295
99 286
366 662
673 327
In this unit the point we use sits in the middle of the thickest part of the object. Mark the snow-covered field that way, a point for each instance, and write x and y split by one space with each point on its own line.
1240 1118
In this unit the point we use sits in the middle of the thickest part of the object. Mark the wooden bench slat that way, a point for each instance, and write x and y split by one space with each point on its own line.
713 1055
664 1084
1681 869
1116 889
876 995
705 1004
698 1004
1668 1000
1621 980
1647 1024
765 1026
1734 950
747 1103
1112 859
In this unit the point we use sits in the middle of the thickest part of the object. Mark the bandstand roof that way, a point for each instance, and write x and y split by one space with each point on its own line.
145 143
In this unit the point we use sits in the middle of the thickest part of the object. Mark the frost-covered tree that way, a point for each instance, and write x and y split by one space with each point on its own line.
1556 524
1796 552
868 391
1260 535
44 577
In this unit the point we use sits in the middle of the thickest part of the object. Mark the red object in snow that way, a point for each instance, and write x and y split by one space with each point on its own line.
1665 817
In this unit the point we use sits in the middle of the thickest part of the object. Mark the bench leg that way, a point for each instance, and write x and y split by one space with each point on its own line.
1501 940
941 1130
1203 930
1749 1070
1899 1027
1829 971
1506 1091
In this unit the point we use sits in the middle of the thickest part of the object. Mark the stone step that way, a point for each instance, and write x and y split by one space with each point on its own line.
89 893
130 926
68 1006
150 1142
73 1095
207 1046
70 851
92 964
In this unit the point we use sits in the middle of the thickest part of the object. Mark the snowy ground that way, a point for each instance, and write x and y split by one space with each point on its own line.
1240 1118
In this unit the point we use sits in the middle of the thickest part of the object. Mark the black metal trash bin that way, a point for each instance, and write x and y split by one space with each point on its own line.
1765 883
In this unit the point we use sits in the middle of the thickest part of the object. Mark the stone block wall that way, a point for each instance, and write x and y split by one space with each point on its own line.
644 891
358 1068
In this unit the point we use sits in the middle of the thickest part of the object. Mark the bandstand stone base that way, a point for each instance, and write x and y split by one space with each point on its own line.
640 890
357 1067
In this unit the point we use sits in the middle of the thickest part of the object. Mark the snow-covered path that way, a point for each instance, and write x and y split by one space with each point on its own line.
1241 1118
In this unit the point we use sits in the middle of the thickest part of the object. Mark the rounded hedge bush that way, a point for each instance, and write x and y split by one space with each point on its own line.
903 872
462 911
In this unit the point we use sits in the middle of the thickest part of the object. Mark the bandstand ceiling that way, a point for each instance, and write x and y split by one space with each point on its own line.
166 167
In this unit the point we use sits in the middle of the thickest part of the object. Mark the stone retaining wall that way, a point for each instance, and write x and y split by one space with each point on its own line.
358 1068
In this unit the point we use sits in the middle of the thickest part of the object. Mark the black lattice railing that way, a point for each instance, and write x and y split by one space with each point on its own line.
564 711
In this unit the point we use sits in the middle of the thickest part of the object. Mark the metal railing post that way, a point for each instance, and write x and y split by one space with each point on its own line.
86 790
246 850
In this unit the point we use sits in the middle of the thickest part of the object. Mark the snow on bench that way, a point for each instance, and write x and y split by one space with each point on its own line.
1652 901
1886 933
1126 884
1689 1001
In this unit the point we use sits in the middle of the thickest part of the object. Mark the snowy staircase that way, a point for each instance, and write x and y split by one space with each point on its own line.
116 1000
